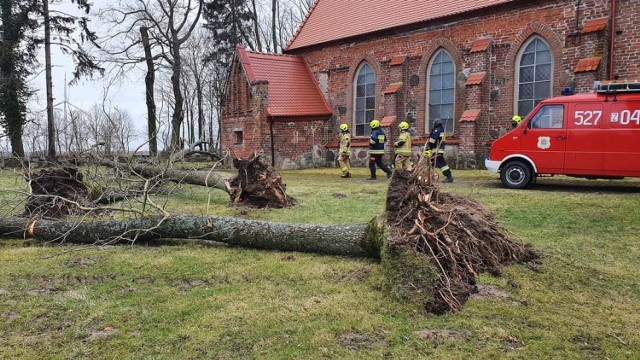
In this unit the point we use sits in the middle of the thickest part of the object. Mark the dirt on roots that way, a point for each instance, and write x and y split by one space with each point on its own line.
456 235
257 185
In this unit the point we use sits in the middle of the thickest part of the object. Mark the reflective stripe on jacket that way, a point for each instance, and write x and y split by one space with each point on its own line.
437 139
376 143
345 143
403 145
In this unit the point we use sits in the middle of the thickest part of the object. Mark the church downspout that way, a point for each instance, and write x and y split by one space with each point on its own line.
273 156
612 40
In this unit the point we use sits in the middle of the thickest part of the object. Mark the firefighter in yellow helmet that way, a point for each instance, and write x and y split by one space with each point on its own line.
376 150
435 151
344 152
515 121
403 148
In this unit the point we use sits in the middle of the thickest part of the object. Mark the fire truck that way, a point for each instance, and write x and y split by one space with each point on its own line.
594 136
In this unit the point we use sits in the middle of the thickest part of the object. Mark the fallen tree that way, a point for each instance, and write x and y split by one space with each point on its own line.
362 240
438 243
256 183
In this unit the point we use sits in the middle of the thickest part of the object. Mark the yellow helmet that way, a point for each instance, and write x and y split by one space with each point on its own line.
344 127
516 119
404 125
375 124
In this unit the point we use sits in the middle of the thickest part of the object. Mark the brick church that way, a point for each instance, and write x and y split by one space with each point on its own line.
471 63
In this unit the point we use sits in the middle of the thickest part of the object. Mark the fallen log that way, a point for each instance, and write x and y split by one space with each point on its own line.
214 179
362 240
255 185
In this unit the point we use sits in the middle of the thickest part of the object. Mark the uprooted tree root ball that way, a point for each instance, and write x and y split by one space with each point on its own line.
439 242
257 185
56 193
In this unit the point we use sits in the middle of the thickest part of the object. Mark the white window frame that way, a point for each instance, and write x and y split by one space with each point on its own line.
367 129
516 92
428 89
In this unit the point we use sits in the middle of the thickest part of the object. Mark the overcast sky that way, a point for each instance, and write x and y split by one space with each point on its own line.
126 93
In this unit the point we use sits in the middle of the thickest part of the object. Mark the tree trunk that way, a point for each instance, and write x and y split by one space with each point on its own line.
201 129
363 240
149 81
274 17
214 179
256 26
178 109
51 130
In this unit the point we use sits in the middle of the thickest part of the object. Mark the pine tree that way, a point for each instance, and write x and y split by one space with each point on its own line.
230 23
15 65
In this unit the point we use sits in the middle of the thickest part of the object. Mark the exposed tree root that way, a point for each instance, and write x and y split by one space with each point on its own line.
456 235
257 185
49 188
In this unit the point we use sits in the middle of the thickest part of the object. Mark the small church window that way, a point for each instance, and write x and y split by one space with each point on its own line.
239 138
441 94
534 71
365 99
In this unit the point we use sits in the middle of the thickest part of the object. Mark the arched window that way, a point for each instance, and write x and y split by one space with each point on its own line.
365 98
441 94
534 71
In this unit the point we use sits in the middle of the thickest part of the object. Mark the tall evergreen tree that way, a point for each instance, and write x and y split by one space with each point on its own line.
16 59
63 26
20 30
230 23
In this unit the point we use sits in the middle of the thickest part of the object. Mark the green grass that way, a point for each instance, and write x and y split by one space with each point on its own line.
192 300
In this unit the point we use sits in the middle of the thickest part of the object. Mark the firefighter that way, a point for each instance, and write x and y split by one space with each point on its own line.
403 148
435 152
376 150
515 121
345 151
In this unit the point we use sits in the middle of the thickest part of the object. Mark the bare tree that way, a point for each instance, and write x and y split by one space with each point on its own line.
168 24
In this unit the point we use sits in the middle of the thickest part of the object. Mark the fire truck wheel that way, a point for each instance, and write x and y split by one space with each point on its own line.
515 175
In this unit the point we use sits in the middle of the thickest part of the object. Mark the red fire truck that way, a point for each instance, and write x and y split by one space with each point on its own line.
595 136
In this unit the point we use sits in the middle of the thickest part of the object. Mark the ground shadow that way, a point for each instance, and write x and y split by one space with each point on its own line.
565 184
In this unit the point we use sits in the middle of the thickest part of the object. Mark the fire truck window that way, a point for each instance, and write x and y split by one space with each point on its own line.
548 117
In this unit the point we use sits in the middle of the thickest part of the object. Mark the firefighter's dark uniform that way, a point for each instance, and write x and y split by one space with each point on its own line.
376 152
437 142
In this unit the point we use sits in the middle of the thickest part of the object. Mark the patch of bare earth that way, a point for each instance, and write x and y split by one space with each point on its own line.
357 275
101 334
441 335
82 261
489 292
356 341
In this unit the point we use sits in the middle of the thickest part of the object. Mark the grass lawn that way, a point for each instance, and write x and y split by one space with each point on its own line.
189 300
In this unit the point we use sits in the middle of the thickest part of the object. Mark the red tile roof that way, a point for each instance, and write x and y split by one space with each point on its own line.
393 88
388 121
397 60
470 115
331 20
594 25
480 45
475 78
293 91
587 64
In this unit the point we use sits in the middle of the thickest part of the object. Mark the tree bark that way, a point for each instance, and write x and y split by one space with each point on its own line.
214 179
149 81
363 240
274 18
178 107
51 130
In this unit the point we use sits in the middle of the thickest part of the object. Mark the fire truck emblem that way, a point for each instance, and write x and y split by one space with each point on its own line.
544 142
